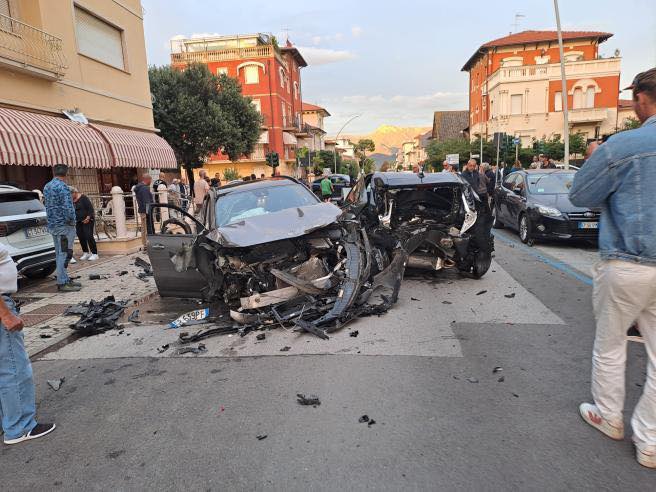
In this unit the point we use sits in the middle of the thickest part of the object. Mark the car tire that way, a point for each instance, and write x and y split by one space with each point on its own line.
482 263
40 272
524 228
496 223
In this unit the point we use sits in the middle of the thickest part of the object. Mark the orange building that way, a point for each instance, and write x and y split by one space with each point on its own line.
515 86
271 76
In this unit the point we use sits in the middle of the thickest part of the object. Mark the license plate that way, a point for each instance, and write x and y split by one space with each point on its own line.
36 231
588 225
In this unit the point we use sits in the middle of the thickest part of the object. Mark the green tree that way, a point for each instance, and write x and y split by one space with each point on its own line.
631 123
230 174
363 146
325 159
199 113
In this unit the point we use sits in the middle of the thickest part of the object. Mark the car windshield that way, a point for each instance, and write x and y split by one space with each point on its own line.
239 205
550 184
19 204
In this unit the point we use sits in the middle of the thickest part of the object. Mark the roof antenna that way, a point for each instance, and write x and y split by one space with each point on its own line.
518 16
286 31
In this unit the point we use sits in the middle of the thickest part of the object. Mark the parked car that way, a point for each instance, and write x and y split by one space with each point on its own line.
274 252
339 181
536 204
23 230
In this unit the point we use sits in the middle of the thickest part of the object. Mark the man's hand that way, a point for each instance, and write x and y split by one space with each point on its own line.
591 148
12 322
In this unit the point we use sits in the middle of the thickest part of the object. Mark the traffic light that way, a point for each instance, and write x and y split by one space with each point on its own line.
273 159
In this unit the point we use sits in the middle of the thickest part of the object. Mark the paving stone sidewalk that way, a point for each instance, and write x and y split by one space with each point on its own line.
42 306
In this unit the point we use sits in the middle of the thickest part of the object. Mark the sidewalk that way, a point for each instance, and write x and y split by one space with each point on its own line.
41 305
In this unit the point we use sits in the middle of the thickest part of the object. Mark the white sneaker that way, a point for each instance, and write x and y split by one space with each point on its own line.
73 260
646 455
85 256
590 413
39 430
92 257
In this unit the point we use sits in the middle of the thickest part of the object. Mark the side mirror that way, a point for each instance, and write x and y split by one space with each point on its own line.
517 191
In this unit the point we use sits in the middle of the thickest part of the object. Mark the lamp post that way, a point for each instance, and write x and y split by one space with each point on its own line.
337 137
563 89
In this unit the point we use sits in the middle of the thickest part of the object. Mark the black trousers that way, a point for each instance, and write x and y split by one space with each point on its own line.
85 235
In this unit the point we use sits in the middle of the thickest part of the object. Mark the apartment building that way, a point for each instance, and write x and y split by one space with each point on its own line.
515 86
75 90
271 76
312 134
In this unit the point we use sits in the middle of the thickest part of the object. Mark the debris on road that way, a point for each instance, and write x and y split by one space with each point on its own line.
96 316
414 299
163 348
260 336
354 333
286 348
472 380
308 400
481 292
364 418
45 335
134 316
262 437
190 318
497 369
501 379
123 272
371 422
97 276
55 384
447 302
194 350
509 296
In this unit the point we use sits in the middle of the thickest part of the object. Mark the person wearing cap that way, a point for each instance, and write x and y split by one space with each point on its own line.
60 213
620 177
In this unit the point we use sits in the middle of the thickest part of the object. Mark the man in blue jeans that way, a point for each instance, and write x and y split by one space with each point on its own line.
620 177
17 406
61 224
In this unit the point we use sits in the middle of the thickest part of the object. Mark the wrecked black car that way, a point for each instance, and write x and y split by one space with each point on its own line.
275 254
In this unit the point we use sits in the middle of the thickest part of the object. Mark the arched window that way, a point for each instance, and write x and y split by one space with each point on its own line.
295 90
578 98
512 61
251 72
281 73
590 97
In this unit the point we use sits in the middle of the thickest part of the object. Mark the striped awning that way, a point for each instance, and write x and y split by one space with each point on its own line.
32 139
131 148
264 137
288 139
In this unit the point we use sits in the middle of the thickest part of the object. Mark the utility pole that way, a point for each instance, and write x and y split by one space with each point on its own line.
518 15
563 89
337 137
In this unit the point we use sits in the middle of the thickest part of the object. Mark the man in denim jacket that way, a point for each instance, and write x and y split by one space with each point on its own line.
620 177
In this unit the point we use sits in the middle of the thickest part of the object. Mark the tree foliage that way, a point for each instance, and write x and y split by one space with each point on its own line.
631 123
199 113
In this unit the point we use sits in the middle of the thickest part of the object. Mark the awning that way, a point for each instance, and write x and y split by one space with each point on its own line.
288 138
264 138
32 139
131 148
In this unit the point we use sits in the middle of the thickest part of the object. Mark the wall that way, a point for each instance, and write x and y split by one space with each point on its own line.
103 93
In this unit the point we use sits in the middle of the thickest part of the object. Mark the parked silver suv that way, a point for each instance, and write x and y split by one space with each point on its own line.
24 231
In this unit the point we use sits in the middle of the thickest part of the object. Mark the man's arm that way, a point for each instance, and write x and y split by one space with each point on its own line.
69 208
9 320
593 183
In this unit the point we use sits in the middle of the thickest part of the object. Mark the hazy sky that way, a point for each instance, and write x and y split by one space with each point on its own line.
396 62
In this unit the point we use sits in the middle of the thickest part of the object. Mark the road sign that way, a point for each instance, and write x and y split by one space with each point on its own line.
453 158
516 141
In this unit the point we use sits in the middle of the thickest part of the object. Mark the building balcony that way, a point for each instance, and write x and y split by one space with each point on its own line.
573 70
27 49
206 56
587 115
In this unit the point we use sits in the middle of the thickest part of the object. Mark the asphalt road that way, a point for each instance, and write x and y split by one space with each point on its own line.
130 418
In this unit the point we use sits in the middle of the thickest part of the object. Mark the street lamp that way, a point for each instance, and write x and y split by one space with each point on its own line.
338 133
563 89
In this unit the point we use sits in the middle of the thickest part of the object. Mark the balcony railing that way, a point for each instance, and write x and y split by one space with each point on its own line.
573 70
205 56
27 48
587 115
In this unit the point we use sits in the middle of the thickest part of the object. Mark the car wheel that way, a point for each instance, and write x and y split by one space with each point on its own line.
496 223
41 272
482 263
524 229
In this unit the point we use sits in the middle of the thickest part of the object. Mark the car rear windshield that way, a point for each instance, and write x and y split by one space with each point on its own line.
19 204
239 205
550 184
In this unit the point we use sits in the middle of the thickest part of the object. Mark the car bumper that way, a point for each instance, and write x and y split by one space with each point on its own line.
29 261
563 228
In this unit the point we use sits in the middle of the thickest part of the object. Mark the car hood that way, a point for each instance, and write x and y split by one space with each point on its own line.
285 224
559 201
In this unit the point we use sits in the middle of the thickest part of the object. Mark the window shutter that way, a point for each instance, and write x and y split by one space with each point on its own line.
558 101
589 97
4 7
251 74
99 40
516 104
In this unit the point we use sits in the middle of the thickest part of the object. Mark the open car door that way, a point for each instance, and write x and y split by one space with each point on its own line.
170 229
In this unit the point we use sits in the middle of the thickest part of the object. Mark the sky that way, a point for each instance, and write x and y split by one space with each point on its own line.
396 62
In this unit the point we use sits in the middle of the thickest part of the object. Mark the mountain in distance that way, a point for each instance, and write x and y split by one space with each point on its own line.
389 138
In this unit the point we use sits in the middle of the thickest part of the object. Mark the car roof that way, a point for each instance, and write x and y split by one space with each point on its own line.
257 184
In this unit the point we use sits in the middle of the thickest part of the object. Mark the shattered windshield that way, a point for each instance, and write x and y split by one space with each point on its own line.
550 184
240 205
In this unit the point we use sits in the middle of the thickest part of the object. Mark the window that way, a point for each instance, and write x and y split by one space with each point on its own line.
295 90
516 104
512 61
578 98
509 181
222 71
251 74
558 101
98 39
284 115
4 8
589 97
281 73
257 105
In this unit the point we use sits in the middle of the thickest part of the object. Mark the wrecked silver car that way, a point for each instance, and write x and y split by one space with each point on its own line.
275 254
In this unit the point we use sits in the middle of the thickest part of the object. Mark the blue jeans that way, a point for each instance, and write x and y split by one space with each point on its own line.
17 405
63 237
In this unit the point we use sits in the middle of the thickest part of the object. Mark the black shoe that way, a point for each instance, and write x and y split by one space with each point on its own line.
69 288
39 430
634 334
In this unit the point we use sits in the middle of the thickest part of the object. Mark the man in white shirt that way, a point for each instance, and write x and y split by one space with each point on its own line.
17 401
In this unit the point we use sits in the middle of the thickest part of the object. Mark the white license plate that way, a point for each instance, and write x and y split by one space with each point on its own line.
36 231
588 225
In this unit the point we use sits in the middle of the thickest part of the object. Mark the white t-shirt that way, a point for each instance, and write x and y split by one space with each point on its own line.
8 272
